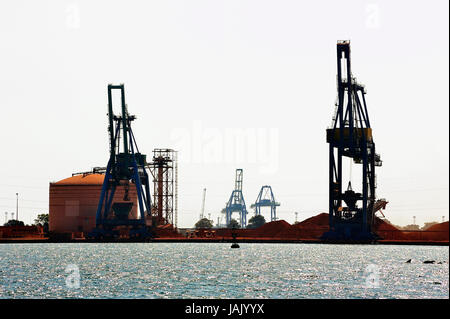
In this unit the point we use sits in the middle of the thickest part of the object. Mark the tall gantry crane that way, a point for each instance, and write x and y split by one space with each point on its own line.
266 199
126 168
236 203
351 214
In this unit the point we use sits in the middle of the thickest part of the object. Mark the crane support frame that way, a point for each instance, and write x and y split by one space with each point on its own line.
126 167
351 214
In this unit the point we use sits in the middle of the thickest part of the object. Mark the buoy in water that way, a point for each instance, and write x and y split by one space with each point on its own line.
234 235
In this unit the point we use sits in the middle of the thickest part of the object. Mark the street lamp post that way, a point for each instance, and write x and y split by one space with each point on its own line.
17 206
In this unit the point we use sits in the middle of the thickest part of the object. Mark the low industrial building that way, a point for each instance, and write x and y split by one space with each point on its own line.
73 203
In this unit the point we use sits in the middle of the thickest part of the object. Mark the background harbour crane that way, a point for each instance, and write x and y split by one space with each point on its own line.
236 203
266 199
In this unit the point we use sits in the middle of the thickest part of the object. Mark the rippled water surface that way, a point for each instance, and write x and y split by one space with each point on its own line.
213 270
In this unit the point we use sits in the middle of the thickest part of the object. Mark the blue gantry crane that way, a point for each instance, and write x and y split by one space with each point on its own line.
351 213
126 168
266 199
236 203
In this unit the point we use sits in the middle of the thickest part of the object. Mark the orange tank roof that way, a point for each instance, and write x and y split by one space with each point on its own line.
89 179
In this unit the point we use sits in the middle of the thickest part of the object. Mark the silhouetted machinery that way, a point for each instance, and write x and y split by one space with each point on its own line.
162 170
351 136
126 168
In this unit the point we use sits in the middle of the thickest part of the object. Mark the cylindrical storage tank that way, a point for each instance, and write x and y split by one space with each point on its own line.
73 202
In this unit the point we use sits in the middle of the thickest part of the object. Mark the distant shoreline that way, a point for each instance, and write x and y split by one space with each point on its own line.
224 240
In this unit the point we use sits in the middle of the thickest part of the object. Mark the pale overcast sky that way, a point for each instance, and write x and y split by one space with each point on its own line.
199 73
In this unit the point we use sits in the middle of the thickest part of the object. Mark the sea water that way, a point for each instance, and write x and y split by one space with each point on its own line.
214 270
